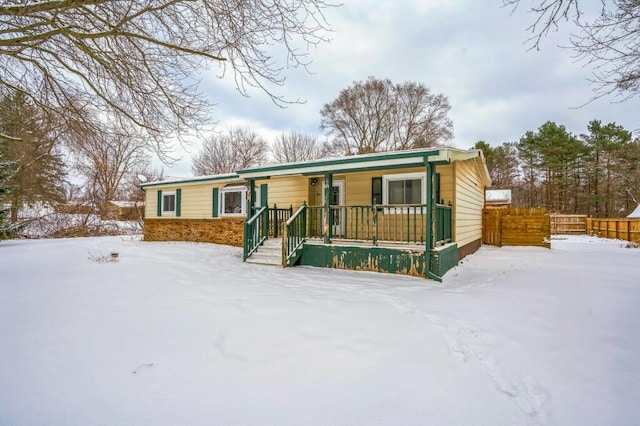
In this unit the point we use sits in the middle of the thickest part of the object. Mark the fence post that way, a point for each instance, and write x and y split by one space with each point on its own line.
499 227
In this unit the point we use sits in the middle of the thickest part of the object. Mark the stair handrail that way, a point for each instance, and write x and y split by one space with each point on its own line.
294 235
255 232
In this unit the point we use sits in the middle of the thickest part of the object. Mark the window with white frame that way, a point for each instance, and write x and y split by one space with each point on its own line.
405 188
233 200
169 202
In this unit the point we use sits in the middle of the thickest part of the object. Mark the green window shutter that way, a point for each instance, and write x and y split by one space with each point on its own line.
376 190
159 211
436 188
214 202
178 200
263 195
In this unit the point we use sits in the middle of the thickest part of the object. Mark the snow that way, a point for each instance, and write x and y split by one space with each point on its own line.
635 213
497 195
185 333
126 204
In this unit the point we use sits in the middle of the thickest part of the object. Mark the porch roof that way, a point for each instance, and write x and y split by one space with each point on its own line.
373 161
376 161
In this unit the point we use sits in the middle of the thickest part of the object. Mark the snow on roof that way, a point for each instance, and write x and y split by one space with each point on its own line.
219 178
495 195
120 203
635 213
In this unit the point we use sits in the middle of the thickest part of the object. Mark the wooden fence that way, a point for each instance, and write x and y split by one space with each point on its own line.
516 227
623 229
568 223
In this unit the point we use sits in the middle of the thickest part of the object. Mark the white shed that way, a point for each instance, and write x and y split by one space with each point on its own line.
635 213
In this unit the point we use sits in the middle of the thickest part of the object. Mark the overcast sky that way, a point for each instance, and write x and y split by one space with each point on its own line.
473 51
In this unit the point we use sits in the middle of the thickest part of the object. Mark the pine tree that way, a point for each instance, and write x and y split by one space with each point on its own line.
607 146
7 229
39 172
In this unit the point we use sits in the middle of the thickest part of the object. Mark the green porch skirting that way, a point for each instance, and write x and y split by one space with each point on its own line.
405 261
444 258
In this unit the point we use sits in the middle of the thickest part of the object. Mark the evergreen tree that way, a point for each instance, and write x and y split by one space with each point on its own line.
33 146
630 184
502 162
530 164
551 164
606 146
596 174
7 230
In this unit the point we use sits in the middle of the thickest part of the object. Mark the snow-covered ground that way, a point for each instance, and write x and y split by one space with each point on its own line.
182 333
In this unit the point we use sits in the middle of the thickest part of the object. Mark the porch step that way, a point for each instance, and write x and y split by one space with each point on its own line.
270 253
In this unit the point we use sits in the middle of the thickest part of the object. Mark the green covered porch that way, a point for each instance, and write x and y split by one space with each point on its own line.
405 238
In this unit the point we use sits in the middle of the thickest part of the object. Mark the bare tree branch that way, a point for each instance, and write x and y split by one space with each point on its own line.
377 115
139 60
610 43
236 149
296 146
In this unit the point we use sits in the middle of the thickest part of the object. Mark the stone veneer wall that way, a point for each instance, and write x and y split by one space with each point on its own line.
227 231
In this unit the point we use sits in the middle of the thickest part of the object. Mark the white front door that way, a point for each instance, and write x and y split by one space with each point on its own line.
337 199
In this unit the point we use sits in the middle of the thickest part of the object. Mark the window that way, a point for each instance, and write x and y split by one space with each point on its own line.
376 190
233 200
169 202
408 188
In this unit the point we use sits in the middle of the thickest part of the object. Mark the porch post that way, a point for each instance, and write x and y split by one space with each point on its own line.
428 255
429 189
252 197
326 211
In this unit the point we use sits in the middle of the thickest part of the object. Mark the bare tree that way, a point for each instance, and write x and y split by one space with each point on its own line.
377 115
610 42
141 173
228 152
421 117
106 160
297 146
132 192
360 120
135 60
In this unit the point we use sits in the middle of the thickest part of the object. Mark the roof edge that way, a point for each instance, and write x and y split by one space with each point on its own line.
198 179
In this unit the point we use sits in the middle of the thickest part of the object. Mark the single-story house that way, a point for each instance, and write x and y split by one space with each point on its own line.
414 212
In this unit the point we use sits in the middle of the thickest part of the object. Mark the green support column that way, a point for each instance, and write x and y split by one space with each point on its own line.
326 212
252 197
430 206
429 189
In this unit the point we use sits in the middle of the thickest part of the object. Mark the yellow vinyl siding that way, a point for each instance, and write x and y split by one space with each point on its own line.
358 185
196 199
151 202
286 191
446 183
391 227
468 204
294 190
196 202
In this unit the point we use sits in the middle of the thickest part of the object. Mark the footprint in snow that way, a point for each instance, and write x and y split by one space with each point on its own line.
141 366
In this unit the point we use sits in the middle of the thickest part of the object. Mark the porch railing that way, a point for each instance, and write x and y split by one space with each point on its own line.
294 235
256 231
444 224
383 222
277 216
